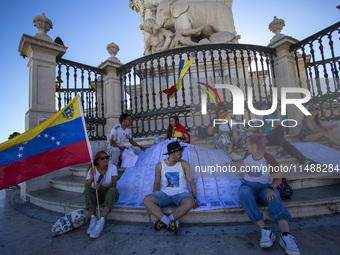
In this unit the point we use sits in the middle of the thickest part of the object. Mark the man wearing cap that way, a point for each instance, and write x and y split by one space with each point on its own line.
170 187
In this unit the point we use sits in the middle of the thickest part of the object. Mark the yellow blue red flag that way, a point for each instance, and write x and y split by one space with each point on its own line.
182 69
58 142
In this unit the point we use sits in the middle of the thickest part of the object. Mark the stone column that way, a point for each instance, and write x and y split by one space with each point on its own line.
285 68
112 89
42 53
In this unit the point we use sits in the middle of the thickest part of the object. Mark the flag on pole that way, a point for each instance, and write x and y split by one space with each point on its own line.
182 69
58 142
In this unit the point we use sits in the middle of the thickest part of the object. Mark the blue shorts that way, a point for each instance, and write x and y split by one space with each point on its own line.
302 137
164 199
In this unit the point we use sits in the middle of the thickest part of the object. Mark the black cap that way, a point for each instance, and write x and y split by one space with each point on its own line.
173 147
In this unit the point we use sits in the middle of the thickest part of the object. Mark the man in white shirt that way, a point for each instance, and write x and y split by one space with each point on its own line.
118 136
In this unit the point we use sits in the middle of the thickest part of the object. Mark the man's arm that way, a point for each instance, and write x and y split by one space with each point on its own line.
135 144
157 181
190 178
113 144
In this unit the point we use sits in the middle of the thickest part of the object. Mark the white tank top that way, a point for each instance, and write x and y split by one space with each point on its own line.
173 179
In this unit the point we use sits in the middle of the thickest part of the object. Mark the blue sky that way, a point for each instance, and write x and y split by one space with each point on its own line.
87 26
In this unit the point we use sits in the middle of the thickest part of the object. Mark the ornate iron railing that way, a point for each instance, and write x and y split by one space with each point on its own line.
319 69
249 67
87 81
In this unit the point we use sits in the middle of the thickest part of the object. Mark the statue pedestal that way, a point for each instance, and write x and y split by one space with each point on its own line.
42 53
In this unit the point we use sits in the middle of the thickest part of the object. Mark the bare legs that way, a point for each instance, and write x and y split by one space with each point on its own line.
151 203
317 136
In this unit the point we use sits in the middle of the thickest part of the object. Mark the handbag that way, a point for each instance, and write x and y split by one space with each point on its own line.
69 222
286 191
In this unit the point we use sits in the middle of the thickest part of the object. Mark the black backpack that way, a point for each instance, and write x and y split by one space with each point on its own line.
202 133
286 191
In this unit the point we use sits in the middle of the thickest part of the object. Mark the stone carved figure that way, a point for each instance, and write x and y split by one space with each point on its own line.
152 8
221 37
159 38
162 39
206 21
182 15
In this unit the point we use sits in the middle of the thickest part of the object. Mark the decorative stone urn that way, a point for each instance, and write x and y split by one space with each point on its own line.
113 49
42 23
276 27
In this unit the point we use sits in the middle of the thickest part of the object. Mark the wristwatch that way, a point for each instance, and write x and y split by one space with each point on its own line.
270 187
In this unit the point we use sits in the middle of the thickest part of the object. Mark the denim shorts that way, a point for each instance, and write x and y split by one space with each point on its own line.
302 137
164 199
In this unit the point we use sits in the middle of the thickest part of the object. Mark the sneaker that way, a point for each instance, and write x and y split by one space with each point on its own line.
288 243
98 228
282 154
93 222
267 238
158 225
173 227
235 157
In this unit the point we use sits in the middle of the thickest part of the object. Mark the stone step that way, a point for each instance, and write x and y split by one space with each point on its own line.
75 183
290 169
81 170
71 183
209 143
301 180
304 203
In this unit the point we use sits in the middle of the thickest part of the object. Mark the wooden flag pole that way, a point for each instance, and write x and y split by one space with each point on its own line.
95 186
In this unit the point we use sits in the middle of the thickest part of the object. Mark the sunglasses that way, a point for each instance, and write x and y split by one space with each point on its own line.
102 158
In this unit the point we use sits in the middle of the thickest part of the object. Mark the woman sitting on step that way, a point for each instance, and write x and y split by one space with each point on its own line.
260 183
102 178
313 129
177 130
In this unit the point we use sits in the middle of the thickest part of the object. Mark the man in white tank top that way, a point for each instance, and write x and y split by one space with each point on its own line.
170 187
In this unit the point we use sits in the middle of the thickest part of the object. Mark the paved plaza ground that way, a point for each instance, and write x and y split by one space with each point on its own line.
26 229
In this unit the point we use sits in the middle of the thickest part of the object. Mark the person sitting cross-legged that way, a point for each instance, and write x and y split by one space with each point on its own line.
170 187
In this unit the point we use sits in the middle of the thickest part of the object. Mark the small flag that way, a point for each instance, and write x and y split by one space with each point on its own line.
58 142
182 69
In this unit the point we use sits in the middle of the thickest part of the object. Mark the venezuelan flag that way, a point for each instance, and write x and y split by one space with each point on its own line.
58 142
182 69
